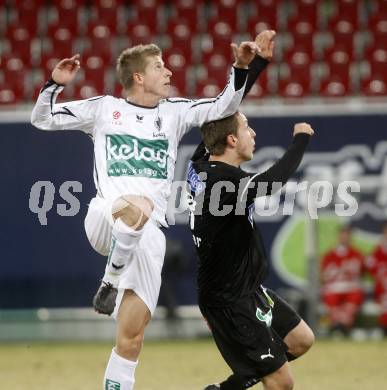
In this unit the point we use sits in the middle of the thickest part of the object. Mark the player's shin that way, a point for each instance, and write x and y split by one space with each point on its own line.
124 241
119 373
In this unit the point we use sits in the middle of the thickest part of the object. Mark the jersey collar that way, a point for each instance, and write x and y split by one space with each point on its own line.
139 105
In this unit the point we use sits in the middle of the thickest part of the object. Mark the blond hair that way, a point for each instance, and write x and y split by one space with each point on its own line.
134 60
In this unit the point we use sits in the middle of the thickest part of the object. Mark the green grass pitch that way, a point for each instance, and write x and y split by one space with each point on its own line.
188 365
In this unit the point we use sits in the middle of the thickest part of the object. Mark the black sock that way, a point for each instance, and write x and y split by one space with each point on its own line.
233 382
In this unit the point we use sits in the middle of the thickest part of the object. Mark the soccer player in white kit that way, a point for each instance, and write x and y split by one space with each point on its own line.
135 147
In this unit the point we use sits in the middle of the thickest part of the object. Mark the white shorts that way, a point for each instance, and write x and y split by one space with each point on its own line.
143 274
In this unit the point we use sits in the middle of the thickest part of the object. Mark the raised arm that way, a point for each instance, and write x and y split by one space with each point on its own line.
196 112
281 171
265 44
78 115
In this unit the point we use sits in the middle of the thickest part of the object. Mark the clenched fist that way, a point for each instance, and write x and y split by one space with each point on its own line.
303 128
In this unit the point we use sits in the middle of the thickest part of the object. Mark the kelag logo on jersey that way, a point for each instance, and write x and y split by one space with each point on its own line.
131 156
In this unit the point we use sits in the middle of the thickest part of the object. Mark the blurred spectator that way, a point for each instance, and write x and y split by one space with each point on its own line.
377 265
342 293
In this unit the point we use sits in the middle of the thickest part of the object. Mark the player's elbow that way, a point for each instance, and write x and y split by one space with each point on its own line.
39 123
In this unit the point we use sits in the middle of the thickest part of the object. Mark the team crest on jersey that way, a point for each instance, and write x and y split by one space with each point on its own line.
139 118
158 123
127 155
116 115
194 180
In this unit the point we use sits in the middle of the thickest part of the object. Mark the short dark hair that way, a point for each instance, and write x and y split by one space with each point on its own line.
215 133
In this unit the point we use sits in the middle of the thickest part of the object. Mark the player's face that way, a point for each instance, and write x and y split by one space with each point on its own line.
157 77
246 139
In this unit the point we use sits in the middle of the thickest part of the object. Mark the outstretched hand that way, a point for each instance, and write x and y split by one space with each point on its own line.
244 53
265 42
65 71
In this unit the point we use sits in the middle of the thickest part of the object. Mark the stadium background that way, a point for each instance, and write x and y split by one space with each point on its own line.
329 69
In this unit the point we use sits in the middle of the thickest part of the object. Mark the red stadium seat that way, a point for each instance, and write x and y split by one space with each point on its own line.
94 68
224 52
334 87
299 64
101 41
305 11
62 41
339 62
20 43
68 14
140 34
298 82
180 33
148 12
293 88
254 27
9 94
14 71
378 26
374 86
343 32
378 62
226 11
87 90
108 12
177 63
190 11
217 66
381 7
349 9
27 12
302 35
221 33
208 88
265 11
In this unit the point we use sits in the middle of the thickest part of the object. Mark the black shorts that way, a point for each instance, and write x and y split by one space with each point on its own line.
250 333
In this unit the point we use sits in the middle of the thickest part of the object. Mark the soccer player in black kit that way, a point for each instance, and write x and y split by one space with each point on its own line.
255 330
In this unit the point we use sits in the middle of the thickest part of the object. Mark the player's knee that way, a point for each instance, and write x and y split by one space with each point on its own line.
307 341
281 379
129 346
134 210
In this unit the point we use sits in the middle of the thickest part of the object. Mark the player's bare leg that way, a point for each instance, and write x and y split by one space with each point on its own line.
130 214
133 316
281 379
299 340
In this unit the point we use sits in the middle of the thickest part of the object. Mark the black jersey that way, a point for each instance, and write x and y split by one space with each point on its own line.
232 258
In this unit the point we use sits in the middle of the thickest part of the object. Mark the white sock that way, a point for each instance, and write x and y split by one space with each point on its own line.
119 374
124 240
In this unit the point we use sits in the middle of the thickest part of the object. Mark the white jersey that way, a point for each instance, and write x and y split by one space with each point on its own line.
135 147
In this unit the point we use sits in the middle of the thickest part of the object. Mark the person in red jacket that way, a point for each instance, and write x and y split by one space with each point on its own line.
342 292
377 265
